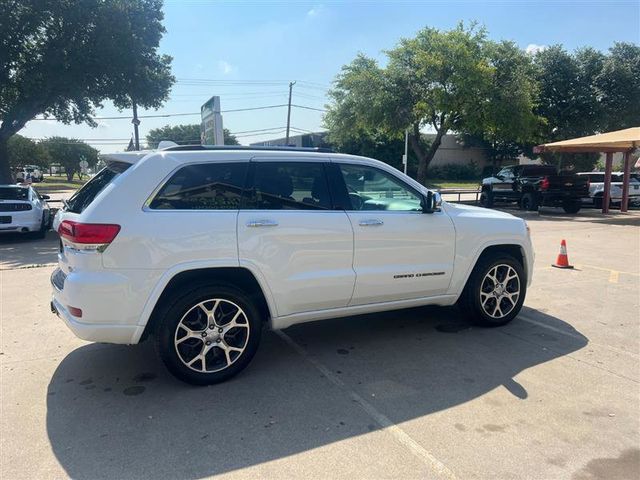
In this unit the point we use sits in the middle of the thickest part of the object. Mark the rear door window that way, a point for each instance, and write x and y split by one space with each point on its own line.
206 186
87 194
288 186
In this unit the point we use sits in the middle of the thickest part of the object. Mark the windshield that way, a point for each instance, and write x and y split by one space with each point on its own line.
83 197
12 193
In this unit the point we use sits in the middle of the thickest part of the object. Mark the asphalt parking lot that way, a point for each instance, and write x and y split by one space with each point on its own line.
409 394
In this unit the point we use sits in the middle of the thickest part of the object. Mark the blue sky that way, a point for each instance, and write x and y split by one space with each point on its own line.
248 52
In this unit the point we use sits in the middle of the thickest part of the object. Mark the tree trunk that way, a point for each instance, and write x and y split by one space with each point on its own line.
424 158
6 176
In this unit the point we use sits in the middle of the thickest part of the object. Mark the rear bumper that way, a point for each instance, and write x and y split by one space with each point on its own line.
551 198
102 333
105 316
19 224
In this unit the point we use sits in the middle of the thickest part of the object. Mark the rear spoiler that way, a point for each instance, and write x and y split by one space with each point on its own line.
134 156
123 157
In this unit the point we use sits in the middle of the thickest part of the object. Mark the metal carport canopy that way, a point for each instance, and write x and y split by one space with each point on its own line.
623 141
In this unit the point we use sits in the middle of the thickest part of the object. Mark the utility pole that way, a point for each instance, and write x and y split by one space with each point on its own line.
405 157
135 122
291 84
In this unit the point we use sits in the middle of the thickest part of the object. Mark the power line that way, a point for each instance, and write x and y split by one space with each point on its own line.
167 115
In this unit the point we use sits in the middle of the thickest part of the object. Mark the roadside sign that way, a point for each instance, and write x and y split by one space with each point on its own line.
211 127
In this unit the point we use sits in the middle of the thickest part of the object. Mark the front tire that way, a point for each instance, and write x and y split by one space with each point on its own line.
209 334
486 199
495 291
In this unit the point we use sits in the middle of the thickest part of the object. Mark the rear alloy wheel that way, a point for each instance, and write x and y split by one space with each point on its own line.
495 291
209 335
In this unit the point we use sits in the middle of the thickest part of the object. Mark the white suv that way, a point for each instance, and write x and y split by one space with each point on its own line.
199 247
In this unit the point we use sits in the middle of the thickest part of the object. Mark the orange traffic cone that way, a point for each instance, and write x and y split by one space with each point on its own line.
563 259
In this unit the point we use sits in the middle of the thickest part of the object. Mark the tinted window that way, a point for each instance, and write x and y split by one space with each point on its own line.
536 170
207 186
83 197
373 189
12 193
505 172
289 186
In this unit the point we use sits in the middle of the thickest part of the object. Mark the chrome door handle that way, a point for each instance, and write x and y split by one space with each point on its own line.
262 223
371 222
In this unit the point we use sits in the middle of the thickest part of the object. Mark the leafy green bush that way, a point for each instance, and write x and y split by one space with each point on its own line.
455 171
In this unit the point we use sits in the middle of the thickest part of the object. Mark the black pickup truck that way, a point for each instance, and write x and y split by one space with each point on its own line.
533 186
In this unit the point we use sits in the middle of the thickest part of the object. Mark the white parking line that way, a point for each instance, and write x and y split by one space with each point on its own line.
382 420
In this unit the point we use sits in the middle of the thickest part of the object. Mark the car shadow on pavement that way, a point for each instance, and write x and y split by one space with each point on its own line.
114 412
19 250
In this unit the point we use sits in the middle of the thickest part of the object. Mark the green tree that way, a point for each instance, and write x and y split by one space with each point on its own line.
183 135
24 151
376 144
569 100
63 58
618 85
69 152
509 125
441 80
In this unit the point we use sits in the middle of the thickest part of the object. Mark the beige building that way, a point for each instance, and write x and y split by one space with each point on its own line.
451 150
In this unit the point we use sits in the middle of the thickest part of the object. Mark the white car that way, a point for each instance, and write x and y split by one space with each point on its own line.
23 210
596 188
200 247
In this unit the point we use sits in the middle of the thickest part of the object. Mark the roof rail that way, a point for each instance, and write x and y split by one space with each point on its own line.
183 148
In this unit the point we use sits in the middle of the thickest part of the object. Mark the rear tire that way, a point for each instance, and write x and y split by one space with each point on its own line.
495 291
571 206
529 202
209 334
486 199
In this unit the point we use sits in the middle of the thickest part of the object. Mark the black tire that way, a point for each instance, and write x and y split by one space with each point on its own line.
571 206
529 202
186 307
470 301
486 199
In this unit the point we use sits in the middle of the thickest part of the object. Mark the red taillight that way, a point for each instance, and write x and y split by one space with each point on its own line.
544 184
88 233
76 312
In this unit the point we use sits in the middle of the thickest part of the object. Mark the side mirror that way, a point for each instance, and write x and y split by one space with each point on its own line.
432 202
45 197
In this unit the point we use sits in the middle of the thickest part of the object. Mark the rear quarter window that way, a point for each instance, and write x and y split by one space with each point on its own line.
87 194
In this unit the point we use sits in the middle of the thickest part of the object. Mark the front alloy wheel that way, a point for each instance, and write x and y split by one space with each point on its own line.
495 290
499 291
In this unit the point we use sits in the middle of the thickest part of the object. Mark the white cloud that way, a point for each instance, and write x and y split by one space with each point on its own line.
534 48
225 67
315 11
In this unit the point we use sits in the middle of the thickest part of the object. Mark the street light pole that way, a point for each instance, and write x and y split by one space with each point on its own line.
291 84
